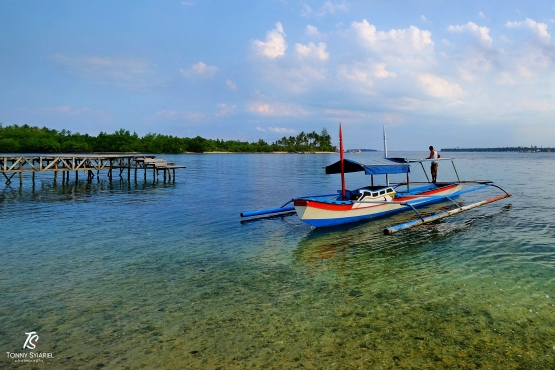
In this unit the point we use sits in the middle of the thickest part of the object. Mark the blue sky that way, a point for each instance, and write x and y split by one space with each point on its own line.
442 73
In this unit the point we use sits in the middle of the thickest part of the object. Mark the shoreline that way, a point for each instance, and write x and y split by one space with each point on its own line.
315 152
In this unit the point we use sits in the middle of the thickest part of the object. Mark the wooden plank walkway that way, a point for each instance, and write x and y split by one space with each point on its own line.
65 163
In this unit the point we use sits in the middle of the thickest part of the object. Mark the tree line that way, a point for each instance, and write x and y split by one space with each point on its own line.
503 149
32 139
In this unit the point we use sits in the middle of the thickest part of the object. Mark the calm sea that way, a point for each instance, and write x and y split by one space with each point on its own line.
132 274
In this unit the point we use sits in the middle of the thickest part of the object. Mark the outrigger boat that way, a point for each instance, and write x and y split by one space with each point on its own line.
378 201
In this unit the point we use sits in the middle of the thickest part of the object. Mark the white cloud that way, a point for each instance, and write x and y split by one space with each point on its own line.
481 31
281 130
466 75
260 129
231 85
312 51
332 8
68 111
344 112
364 74
439 87
181 115
196 116
410 45
481 15
537 105
540 29
119 68
312 31
171 114
264 108
275 44
531 61
199 69
225 110
379 71
423 18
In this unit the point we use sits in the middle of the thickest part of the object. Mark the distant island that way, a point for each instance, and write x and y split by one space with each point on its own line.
28 139
520 149
360 150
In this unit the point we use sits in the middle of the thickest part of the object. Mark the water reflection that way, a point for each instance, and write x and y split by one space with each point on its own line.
78 190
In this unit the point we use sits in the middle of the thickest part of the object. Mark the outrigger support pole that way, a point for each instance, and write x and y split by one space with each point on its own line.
437 216
415 211
267 211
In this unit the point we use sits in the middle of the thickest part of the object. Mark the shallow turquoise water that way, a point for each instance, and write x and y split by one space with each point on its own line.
142 275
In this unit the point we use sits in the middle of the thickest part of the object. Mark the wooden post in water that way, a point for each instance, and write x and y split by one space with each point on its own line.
55 172
21 174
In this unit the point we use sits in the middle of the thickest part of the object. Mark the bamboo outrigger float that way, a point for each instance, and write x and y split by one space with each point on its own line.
381 200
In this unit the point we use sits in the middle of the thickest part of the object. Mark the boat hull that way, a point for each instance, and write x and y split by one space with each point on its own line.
321 213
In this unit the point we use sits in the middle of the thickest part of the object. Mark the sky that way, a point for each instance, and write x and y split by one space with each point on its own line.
443 73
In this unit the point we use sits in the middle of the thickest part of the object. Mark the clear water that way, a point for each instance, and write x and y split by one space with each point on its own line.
142 275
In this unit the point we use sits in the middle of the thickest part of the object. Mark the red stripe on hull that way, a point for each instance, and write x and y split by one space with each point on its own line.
349 207
431 192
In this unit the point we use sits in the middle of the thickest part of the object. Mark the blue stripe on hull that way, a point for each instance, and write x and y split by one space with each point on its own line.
345 220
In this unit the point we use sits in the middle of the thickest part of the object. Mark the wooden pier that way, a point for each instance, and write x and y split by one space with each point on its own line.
89 164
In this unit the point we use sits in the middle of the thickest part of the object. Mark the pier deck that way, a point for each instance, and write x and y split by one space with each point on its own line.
65 163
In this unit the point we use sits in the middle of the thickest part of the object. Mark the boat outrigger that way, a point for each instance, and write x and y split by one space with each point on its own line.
381 200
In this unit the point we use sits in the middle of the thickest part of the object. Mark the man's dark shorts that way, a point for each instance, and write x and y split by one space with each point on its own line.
434 168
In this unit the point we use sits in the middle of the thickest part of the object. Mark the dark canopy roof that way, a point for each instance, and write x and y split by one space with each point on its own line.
369 169
350 166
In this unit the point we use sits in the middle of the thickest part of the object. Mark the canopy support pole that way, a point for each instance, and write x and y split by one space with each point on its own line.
456 173
425 173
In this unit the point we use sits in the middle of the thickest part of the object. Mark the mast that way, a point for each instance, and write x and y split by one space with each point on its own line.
343 191
385 153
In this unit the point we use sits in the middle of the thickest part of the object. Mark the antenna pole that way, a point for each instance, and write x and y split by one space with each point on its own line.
385 153
384 143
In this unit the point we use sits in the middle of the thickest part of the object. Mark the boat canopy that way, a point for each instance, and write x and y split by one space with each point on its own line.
369 169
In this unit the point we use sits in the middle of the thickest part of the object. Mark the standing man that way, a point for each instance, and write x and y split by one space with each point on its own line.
433 168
